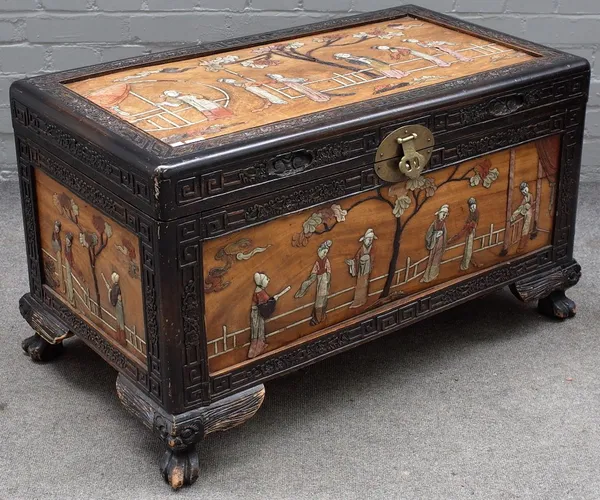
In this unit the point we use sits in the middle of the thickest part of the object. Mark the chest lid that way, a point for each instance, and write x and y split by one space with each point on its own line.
187 111
201 97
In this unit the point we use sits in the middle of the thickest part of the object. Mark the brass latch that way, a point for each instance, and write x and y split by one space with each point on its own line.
416 145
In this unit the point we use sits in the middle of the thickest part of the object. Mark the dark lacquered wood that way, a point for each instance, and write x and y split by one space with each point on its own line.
177 202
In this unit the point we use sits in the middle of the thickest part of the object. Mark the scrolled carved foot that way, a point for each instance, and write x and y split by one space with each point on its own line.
557 305
180 468
181 432
39 350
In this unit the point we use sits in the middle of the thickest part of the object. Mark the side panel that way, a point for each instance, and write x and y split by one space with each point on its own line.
123 241
93 263
352 256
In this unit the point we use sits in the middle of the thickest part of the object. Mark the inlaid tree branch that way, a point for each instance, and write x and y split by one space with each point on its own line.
96 242
264 58
66 207
409 197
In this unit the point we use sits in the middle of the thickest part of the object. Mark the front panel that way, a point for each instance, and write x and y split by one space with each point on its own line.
290 280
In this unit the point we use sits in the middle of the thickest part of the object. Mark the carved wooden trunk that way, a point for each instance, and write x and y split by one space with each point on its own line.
209 218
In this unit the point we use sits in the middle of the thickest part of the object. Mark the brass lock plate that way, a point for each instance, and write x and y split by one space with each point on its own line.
404 153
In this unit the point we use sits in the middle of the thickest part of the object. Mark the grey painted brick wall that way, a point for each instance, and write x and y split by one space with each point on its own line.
38 36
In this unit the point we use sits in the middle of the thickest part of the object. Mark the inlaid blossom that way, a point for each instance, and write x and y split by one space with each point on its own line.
218 63
339 213
267 49
484 174
402 203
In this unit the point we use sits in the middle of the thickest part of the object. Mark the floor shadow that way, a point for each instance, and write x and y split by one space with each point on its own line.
398 358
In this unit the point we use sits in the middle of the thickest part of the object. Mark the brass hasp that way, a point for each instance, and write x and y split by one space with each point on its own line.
414 143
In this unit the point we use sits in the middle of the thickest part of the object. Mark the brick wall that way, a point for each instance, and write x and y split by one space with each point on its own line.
38 36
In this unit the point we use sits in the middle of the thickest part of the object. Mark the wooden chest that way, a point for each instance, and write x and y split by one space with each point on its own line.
209 218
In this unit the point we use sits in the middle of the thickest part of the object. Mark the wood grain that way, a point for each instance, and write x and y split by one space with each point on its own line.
197 98
286 250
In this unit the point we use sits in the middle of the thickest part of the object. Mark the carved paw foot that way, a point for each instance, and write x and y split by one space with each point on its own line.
40 350
557 305
180 468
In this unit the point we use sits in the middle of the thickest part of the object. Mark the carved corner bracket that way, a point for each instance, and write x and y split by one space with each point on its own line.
542 285
182 431
46 325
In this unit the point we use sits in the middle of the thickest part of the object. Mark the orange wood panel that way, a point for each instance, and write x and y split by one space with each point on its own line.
447 224
203 97
93 263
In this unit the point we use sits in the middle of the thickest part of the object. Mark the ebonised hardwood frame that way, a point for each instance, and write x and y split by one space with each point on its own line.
156 178
190 193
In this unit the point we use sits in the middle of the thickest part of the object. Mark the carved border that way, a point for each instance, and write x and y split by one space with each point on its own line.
30 157
194 358
30 225
94 158
278 166
568 187
269 206
234 217
380 324
50 84
315 155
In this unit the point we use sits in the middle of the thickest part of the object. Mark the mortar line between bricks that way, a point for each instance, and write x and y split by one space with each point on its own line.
562 46
65 14
47 15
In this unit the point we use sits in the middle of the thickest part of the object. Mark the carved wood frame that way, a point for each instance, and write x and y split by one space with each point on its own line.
115 172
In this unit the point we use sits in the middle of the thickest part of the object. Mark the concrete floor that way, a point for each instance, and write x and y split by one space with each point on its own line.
489 401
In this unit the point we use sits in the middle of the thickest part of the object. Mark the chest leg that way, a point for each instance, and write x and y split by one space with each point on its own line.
549 288
46 343
181 433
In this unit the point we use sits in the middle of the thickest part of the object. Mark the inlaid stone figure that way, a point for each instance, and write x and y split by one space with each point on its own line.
256 89
383 67
525 209
260 297
468 232
210 109
361 266
263 307
321 274
397 52
69 267
116 300
435 242
441 45
57 249
301 85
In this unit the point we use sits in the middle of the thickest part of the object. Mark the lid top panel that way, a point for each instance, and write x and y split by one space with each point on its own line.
203 97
